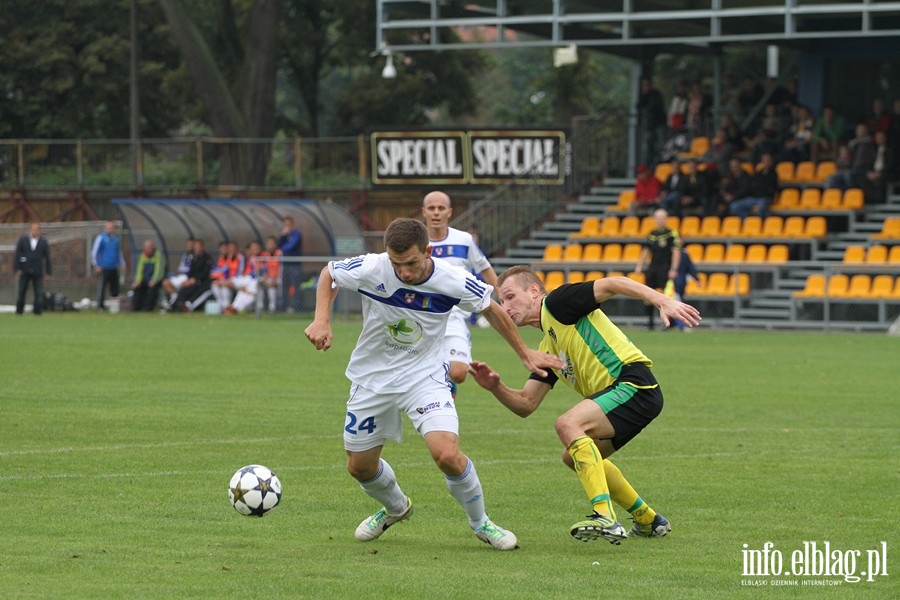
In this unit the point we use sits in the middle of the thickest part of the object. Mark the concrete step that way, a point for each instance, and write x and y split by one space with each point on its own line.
765 313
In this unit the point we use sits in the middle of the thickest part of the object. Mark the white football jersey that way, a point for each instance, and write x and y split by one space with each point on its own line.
401 343
459 248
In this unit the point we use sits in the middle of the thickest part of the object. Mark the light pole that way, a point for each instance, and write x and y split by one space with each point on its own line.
134 103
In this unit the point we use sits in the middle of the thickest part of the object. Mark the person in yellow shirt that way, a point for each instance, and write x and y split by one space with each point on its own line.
621 395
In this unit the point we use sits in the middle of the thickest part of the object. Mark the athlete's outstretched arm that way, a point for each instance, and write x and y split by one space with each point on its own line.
669 308
534 360
319 331
522 402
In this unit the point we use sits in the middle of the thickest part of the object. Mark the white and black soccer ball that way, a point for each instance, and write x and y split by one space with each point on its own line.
254 490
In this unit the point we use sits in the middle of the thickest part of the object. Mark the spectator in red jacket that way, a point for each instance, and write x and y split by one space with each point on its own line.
646 192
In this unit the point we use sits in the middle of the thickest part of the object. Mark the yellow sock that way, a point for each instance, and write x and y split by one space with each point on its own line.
625 496
589 468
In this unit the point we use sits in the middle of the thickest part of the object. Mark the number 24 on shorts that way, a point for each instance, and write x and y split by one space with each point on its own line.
367 424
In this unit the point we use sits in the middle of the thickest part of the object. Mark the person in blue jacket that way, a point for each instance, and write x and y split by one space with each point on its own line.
107 259
291 244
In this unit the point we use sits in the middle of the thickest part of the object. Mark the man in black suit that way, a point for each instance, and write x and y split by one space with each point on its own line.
32 262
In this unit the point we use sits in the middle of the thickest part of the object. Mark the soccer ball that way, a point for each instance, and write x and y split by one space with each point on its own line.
254 490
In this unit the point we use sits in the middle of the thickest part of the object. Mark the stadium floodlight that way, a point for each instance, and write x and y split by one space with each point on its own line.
389 71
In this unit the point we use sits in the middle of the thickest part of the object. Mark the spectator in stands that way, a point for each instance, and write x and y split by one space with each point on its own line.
670 190
678 106
195 289
646 192
733 134
880 119
698 108
862 151
32 263
763 187
797 145
842 178
719 154
659 258
270 279
291 244
229 266
692 191
174 281
107 259
879 174
148 277
750 95
730 104
735 185
246 284
771 135
652 112
827 135
894 139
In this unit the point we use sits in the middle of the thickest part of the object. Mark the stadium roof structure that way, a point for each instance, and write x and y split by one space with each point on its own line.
328 229
631 28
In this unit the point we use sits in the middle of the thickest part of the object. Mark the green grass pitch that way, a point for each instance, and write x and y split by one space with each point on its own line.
120 434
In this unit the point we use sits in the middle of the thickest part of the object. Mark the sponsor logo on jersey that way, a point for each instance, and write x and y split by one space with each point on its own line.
430 406
380 288
406 331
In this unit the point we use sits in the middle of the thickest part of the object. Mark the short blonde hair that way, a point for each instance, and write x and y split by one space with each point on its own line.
526 276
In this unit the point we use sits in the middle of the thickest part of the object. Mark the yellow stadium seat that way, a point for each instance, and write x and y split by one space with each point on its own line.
575 277
788 199
735 253
626 197
752 226
695 287
673 222
615 274
814 287
882 286
805 171
816 227
778 253
894 255
696 251
592 252
859 286
630 227
772 226
590 227
662 171
709 227
553 279
639 277
854 199
553 252
593 275
832 199
699 146
730 227
824 170
714 253
717 284
631 252
609 227
747 167
896 293
755 253
572 252
648 224
889 229
854 254
739 283
690 226
837 285
785 171
877 254
540 275
612 252
811 198
793 227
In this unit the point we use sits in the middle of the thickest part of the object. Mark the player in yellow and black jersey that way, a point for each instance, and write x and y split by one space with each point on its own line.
614 378
663 249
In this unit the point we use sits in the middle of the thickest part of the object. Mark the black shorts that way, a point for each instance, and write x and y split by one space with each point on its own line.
656 277
631 402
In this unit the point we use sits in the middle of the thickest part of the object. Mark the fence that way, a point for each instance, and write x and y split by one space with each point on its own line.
180 164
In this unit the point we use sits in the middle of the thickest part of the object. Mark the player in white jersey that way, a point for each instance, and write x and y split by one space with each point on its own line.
398 367
458 248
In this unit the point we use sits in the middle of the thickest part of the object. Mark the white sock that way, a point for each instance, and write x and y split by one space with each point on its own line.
273 299
467 490
385 489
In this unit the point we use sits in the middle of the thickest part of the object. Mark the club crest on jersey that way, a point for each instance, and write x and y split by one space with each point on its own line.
409 298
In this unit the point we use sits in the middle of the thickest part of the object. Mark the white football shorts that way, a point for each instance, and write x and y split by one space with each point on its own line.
457 339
